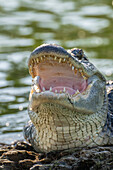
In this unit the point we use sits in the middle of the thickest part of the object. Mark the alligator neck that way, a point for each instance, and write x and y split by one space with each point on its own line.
59 128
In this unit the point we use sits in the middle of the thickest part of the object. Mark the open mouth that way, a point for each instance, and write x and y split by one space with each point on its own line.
57 75
65 78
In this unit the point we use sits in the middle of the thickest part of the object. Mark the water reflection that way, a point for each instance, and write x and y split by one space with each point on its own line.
105 66
26 24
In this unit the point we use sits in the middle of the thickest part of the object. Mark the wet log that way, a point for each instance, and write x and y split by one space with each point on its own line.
21 155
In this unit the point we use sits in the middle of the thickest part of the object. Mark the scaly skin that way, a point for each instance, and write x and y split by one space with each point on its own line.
61 120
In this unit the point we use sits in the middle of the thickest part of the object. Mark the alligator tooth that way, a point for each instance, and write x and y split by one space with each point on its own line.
77 92
43 88
37 60
82 74
60 60
84 77
75 71
64 59
73 67
33 61
50 89
60 91
74 95
55 58
70 64
80 70
64 90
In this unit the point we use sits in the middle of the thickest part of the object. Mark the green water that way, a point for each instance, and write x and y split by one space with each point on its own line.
24 25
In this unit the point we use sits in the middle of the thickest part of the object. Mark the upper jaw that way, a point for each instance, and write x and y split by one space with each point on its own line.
48 49
61 54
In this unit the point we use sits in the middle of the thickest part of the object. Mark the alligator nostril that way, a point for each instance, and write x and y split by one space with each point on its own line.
78 53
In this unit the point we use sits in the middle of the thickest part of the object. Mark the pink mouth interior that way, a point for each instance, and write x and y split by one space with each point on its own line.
59 76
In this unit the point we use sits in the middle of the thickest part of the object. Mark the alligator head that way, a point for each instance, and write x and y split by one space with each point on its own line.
67 100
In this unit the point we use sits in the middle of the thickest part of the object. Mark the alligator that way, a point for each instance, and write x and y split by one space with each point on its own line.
70 103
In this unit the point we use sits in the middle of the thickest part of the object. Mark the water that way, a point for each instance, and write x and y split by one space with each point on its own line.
24 25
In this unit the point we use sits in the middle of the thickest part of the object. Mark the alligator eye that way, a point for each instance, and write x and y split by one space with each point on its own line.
78 53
